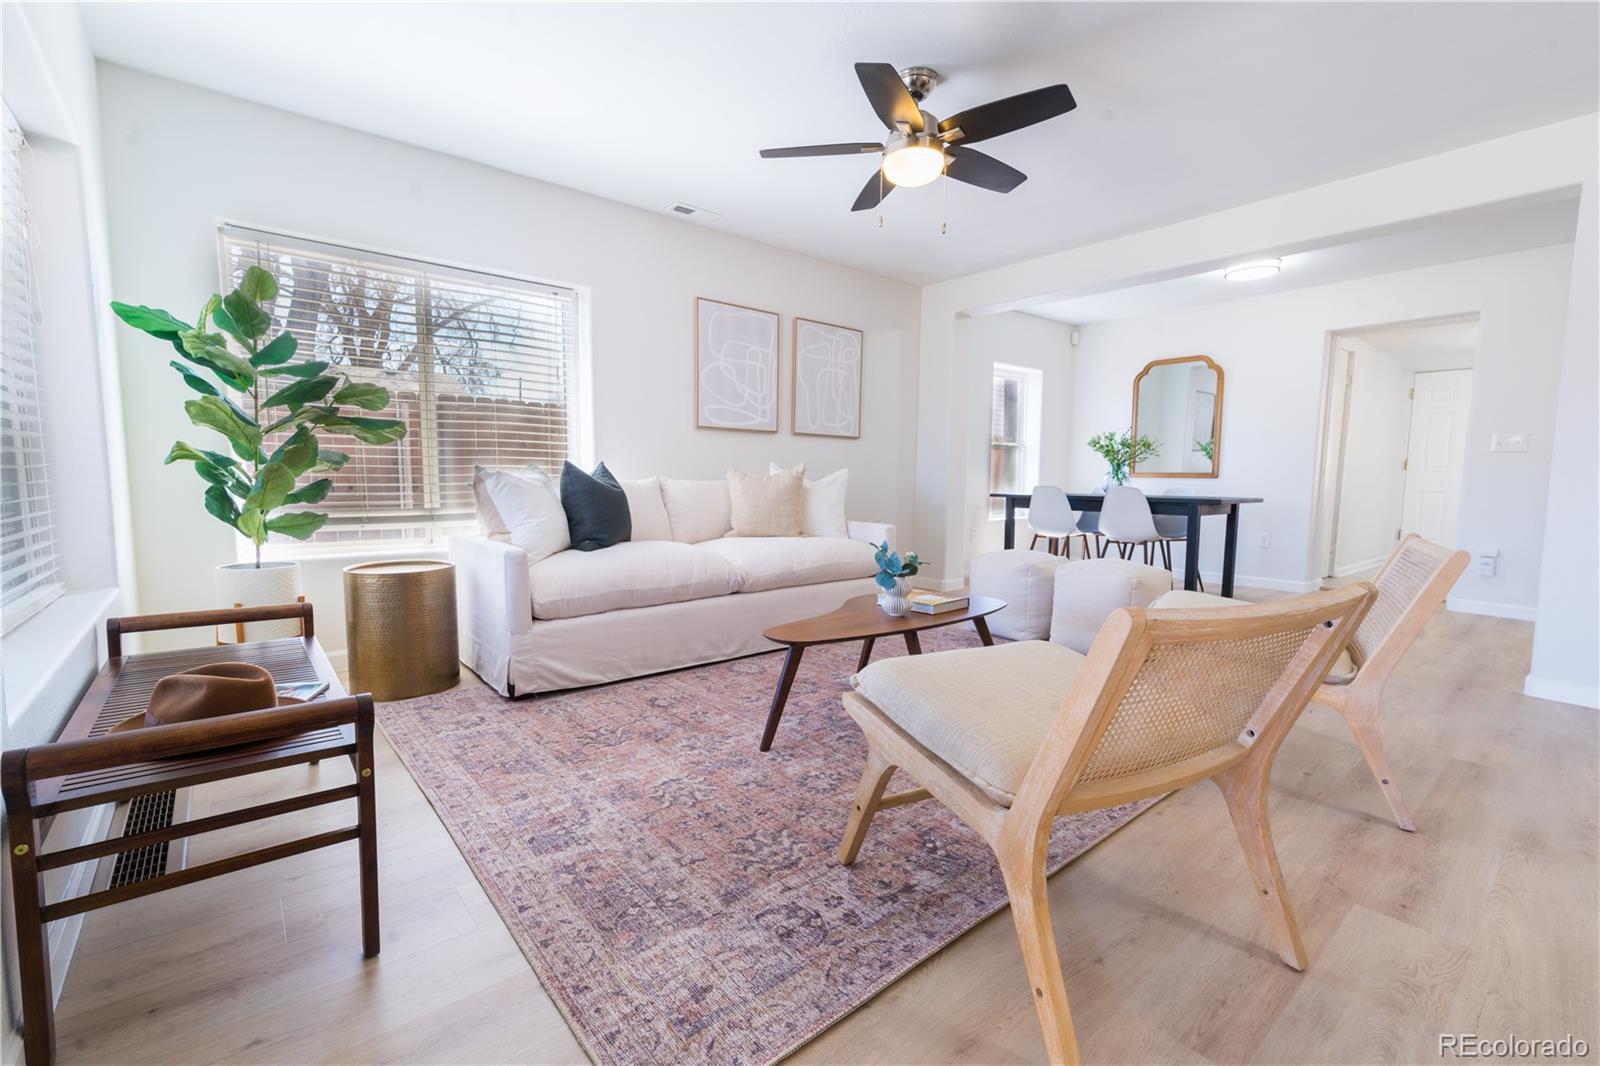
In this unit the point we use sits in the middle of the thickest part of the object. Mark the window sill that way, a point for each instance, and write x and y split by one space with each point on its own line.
37 649
347 556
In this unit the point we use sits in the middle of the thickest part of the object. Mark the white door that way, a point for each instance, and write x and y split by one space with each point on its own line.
1436 454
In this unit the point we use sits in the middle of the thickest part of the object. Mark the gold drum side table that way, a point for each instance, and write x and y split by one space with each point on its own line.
400 625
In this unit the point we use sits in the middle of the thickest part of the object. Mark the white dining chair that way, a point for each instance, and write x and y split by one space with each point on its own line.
1126 523
1174 529
1050 516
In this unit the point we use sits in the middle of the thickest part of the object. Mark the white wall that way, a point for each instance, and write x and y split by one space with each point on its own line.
1273 351
1567 634
1021 340
1375 447
639 271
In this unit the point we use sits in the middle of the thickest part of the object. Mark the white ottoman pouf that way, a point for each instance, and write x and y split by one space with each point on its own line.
1087 591
1026 580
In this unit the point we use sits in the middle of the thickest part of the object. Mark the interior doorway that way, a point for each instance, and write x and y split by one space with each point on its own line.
1395 440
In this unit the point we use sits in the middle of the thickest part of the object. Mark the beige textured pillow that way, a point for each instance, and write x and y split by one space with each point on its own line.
767 505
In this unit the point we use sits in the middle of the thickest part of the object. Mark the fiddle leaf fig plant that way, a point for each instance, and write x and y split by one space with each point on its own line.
251 488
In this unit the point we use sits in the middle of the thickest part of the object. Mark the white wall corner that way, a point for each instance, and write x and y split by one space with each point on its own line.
1561 691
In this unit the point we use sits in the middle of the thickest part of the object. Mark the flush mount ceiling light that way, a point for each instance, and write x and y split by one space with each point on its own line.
1261 268
920 147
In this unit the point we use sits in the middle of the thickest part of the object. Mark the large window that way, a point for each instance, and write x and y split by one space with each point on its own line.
28 573
481 368
1014 431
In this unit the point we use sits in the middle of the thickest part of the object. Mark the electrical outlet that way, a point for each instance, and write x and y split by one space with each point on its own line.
1263 540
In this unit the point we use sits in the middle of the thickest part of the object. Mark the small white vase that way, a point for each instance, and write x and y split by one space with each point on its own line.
248 585
893 602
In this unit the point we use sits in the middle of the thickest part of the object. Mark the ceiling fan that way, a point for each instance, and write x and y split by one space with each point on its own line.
920 147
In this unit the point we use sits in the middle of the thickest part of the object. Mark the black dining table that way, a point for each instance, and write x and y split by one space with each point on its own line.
1194 507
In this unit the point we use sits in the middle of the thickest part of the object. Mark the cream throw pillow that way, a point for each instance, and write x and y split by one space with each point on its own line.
824 503
767 505
522 507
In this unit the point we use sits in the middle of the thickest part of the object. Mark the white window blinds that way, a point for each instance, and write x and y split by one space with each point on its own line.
481 368
28 571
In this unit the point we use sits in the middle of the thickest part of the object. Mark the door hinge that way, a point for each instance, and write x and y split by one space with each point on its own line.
1405 464
1397 534
1411 394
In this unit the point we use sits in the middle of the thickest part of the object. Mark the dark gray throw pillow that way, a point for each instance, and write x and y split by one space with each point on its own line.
596 506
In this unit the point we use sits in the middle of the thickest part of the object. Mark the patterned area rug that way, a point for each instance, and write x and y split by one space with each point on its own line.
674 888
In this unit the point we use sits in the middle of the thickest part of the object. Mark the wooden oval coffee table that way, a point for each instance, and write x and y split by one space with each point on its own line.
860 618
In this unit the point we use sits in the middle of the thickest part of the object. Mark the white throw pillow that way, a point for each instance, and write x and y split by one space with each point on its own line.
824 503
697 510
767 505
649 514
526 506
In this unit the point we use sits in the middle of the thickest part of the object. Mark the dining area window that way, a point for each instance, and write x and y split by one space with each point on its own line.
1015 416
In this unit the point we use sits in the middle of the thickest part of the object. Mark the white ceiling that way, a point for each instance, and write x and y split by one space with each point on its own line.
1495 230
1183 109
1438 346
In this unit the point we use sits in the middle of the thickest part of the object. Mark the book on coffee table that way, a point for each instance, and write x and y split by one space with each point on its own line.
935 602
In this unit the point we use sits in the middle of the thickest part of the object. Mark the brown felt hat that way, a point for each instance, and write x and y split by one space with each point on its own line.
206 692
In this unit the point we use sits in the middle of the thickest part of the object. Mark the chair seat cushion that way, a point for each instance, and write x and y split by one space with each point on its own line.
784 562
645 573
1344 667
985 711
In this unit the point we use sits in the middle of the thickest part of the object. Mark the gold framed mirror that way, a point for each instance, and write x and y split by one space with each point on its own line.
1177 403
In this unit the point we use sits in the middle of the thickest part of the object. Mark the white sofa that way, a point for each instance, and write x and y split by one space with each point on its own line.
585 618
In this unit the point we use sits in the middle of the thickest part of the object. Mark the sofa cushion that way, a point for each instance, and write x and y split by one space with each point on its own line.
784 562
985 711
767 505
645 509
523 508
697 510
824 503
596 506
632 574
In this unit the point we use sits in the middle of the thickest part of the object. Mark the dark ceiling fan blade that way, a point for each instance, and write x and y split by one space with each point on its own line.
820 149
984 171
1013 113
872 193
888 95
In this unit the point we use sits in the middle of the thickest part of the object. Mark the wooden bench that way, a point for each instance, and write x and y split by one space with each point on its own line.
88 766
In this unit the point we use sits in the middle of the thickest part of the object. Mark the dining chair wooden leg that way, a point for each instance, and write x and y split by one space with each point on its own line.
1362 718
1034 543
1244 788
1023 870
874 779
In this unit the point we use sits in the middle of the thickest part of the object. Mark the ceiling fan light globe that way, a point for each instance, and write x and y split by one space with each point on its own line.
913 165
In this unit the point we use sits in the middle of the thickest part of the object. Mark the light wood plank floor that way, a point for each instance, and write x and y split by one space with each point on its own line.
1483 921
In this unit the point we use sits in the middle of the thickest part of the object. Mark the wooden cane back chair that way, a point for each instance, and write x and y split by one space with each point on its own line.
1163 699
1412 586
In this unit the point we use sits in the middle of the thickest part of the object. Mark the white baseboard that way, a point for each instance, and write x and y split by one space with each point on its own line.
66 833
1548 688
1359 567
935 584
1251 581
1494 610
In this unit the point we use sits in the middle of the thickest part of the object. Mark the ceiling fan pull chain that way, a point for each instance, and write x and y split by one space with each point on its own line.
944 193
880 196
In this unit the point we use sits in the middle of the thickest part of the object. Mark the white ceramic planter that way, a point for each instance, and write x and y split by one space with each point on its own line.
247 585
893 602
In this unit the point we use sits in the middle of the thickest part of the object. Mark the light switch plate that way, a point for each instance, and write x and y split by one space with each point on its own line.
1508 442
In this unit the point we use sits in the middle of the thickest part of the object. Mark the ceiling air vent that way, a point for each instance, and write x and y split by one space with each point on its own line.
699 214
